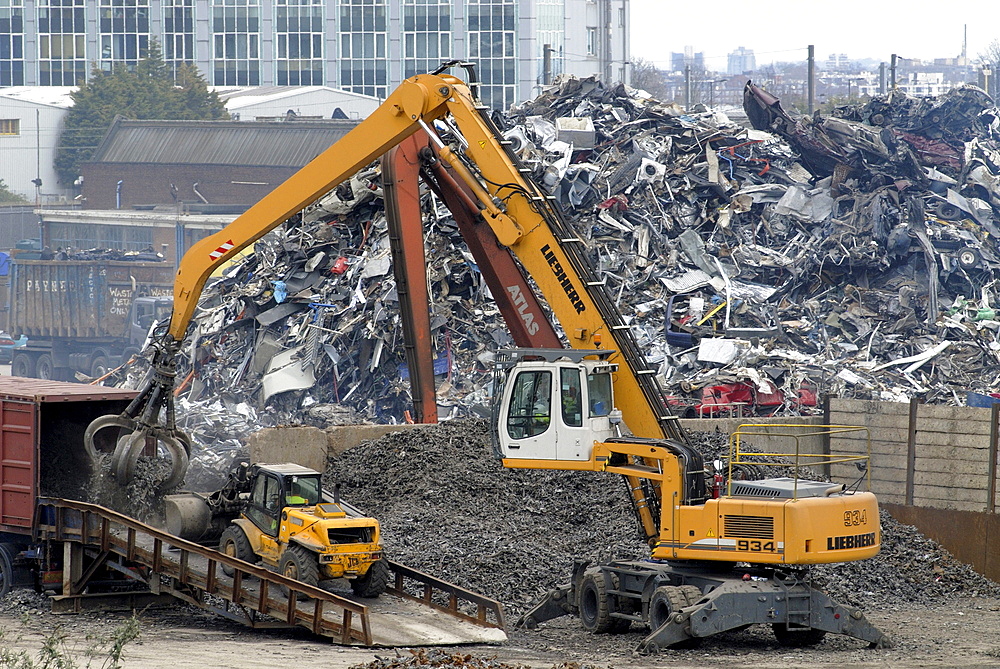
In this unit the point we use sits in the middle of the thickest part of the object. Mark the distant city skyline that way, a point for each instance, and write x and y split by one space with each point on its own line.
783 29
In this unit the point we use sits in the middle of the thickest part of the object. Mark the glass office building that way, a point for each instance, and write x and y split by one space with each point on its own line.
364 46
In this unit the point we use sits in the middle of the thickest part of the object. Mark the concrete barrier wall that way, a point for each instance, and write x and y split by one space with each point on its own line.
923 455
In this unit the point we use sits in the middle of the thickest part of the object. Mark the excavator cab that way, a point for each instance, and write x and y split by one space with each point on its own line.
553 404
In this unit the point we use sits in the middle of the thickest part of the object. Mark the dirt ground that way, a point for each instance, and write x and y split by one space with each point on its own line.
954 634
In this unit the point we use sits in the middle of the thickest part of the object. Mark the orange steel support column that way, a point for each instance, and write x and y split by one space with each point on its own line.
401 186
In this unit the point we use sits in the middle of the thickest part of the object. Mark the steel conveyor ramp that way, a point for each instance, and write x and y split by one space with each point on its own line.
416 610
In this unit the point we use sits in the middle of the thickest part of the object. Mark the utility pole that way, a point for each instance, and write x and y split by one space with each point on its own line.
547 64
811 76
881 78
687 88
892 73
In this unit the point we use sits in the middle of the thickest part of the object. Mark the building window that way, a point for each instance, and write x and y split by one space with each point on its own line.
178 33
299 37
10 126
62 42
492 41
124 32
11 43
236 52
591 41
426 35
363 58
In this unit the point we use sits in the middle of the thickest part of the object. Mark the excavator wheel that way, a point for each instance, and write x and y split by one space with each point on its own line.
301 565
374 582
618 625
595 605
692 593
665 602
797 638
234 543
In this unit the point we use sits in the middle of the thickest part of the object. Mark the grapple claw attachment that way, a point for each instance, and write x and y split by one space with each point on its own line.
139 428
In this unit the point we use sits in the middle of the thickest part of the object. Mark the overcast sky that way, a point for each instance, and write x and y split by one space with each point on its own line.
781 30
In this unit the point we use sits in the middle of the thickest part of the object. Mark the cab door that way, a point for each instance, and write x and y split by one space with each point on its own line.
528 428
264 512
574 438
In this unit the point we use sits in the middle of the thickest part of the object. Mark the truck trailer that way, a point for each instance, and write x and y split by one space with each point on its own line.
83 316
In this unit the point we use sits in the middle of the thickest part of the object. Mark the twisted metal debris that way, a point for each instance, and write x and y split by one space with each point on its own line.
759 267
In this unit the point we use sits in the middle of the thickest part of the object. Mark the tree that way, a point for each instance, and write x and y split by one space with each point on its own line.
7 196
648 77
990 58
146 91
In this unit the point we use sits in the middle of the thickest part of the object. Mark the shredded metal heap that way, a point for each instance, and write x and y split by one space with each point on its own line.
447 506
855 255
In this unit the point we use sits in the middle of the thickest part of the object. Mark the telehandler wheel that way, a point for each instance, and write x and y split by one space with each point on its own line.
300 564
374 582
595 607
234 543
797 638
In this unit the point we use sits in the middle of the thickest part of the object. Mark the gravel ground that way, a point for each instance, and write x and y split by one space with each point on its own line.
448 507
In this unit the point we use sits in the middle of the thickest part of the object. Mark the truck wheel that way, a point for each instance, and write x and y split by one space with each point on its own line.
6 568
128 353
23 365
374 582
234 543
44 369
99 366
595 607
300 564
798 638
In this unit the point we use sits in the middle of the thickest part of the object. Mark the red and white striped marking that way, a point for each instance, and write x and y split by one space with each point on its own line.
221 251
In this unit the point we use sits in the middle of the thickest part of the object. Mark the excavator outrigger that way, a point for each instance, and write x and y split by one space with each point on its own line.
718 561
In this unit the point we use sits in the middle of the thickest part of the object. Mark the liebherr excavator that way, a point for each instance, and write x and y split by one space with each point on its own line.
568 408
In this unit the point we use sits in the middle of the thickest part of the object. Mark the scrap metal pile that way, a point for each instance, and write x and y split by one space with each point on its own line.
758 266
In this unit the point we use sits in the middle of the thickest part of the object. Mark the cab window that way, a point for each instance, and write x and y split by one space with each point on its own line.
530 410
569 382
303 491
599 390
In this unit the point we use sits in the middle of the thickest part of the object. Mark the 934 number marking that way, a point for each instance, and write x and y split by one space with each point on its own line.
755 546
855 518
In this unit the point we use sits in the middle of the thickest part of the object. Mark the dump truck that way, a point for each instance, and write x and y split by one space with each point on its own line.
83 316
42 454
